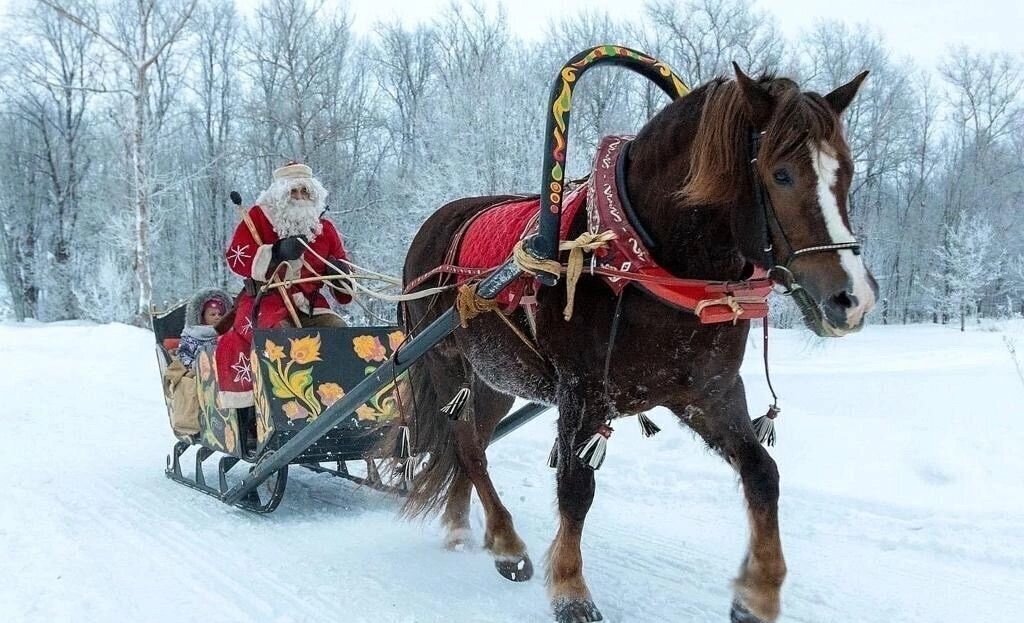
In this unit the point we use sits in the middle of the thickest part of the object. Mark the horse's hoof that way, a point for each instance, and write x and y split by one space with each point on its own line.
519 570
740 614
582 611
459 539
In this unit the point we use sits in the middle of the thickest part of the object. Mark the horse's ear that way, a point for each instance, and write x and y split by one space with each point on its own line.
760 102
840 98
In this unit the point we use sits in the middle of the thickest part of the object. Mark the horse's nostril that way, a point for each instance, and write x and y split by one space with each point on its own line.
845 300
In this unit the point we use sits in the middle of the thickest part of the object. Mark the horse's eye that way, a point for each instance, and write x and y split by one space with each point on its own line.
782 177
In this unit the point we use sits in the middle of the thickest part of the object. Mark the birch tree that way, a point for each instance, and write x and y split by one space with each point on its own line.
138 33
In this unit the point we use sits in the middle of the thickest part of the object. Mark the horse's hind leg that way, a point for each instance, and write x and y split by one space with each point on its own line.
472 432
726 428
456 513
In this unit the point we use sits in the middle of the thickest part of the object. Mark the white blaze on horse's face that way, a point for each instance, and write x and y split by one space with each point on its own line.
826 168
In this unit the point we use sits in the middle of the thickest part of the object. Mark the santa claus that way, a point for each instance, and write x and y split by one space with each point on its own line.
270 244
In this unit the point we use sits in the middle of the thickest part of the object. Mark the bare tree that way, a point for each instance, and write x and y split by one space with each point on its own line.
704 36
909 224
138 33
297 55
213 119
406 68
19 217
56 73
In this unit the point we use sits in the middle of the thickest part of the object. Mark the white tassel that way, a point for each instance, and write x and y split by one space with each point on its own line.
553 455
409 472
456 405
592 452
764 426
404 449
647 426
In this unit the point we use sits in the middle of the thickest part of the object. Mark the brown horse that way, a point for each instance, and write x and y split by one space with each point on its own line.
708 208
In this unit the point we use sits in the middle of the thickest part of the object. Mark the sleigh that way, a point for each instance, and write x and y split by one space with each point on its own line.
297 375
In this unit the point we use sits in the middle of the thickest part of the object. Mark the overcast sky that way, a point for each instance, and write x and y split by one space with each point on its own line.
921 29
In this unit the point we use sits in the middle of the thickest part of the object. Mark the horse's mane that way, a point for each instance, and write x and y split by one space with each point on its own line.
721 147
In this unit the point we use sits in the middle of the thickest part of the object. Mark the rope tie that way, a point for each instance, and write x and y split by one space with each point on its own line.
734 303
470 305
586 242
529 264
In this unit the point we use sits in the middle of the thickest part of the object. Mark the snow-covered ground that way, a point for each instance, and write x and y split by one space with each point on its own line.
901 451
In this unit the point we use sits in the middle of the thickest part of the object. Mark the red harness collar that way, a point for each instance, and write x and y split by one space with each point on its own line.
627 259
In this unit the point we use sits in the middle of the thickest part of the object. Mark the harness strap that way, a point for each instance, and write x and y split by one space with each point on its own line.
723 292
447 269
448 266
734 303
614 333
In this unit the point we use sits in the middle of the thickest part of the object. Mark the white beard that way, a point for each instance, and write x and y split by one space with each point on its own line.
297 217
294 217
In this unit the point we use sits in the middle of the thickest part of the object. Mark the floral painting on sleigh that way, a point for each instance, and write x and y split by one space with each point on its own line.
300 373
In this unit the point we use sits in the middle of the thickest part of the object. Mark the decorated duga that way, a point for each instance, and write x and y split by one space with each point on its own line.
605 297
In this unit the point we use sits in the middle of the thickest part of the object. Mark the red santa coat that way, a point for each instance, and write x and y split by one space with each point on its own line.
248 258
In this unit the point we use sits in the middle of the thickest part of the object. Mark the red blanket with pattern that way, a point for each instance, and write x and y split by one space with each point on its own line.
493 234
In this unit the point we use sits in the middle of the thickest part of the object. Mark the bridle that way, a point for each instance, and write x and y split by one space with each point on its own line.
781 273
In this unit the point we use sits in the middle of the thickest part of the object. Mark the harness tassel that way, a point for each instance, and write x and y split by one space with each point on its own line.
553 455
764 426
593 451
403 452
404 448
457 404
409 471
647 426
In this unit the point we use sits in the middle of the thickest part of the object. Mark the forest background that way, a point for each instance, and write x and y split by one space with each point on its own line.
124 124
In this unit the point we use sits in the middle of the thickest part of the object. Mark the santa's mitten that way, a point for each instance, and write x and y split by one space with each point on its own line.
286 249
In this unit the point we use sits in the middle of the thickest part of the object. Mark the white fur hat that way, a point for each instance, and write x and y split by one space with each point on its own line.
293 170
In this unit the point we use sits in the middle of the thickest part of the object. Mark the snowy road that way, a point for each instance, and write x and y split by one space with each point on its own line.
901 453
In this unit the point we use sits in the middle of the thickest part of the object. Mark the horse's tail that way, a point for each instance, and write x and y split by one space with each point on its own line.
439 375
433 442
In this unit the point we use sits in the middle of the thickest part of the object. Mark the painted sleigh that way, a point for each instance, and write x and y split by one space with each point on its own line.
297 374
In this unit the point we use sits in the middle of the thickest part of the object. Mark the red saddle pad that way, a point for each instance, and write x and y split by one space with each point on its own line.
492 235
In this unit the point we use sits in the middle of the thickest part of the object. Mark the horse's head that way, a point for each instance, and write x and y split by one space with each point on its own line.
793 216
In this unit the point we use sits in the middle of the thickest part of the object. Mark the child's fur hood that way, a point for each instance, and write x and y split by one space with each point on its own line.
194 308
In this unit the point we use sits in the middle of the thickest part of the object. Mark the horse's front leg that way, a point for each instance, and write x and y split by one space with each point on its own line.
725 426
578 419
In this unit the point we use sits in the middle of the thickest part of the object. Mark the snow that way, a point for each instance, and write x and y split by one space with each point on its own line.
902 500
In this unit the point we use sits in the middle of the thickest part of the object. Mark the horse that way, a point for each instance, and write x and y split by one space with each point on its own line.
739 173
